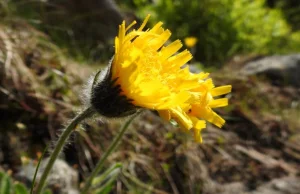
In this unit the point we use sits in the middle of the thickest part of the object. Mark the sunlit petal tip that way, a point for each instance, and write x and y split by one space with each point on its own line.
199 140
157 28
218 121
218 103
144 23
165 114
221 90
197 136
128 27
169 50
202 75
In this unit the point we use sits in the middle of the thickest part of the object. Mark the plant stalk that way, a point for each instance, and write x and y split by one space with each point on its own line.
60 144
111 148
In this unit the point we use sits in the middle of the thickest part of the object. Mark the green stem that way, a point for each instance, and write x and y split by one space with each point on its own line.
112 146
60 144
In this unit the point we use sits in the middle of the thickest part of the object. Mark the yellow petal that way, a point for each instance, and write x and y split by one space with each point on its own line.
209 84
179 60
144 23
197 135
202 75
168 51
153 86
156 28
122 31
214 118
208 114
181 118
160 41
221 90
129 26
176 100
218 103
165 114
188 84
198 124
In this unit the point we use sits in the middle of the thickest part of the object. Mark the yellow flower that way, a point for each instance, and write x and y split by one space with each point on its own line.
190 41
151 75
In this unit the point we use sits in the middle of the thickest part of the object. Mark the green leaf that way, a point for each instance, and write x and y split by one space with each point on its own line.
1 175
48 191
5 185
20 189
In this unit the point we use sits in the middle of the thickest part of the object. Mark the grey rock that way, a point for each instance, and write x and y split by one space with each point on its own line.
63 179
195 68
285 185
230 188
280 69
233 188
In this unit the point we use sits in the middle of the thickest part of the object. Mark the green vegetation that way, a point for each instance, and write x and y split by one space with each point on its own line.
225 28
7 186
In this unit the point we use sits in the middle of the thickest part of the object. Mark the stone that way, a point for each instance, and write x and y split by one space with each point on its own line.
280 70
62 179
285 185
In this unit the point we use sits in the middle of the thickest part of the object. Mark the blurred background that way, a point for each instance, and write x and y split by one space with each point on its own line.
49 49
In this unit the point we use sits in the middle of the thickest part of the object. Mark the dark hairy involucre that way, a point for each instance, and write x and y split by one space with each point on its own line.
107 99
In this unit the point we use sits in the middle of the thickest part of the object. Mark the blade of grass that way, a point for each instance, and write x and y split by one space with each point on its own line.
109 172
37 169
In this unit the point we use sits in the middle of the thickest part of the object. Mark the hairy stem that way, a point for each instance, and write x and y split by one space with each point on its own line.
60 144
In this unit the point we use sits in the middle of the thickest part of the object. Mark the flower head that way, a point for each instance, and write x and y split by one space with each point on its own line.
145 73
190 41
